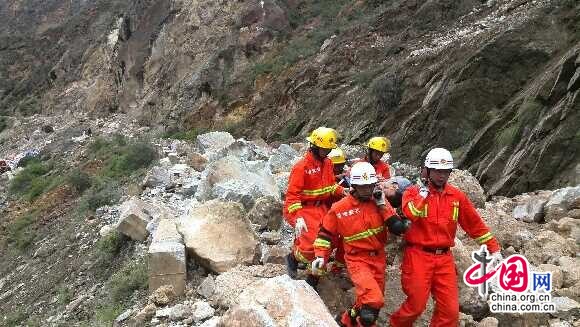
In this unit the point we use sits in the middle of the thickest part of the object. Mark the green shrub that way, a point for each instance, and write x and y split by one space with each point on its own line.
130 278
106 314
64 295
14 318
132 157
79 180
189 135
3 123
102 192
109 246
21 233
34 180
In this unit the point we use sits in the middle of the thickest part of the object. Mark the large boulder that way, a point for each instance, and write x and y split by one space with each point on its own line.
134 219
267 213
232 179
279 301
213 141
228 286
561 201
530 207
167 261
463 180
283 158
219 235
247 151
566 227
548 247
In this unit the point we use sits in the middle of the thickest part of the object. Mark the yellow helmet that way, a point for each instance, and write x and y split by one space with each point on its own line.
323 137
337 156
379 143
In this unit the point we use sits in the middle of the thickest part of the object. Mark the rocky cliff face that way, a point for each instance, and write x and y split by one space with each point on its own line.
495 82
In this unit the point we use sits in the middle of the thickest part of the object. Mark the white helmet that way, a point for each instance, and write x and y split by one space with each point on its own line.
363 173
439 158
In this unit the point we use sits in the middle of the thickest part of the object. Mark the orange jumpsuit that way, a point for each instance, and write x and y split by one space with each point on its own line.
310 188
428 265
362 228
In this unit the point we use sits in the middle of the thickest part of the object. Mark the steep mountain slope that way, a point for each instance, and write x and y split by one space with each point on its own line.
495 82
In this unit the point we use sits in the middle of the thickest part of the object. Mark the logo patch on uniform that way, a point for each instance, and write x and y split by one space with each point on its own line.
347 213
443 161
365 176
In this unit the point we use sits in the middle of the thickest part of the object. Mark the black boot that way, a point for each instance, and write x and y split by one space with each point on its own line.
312 281
291 266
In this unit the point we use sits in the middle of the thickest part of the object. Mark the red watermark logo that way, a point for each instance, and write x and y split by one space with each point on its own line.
518 289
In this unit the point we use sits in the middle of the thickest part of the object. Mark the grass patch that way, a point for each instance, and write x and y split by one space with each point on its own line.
107 313
13 319
122 158
35 179
3 123
21 233
102 192
508 135
130 278
64 296
109 246
79 180
189 135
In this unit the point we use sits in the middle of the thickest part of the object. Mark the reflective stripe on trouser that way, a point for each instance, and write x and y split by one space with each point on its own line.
368 276
421 274
303 248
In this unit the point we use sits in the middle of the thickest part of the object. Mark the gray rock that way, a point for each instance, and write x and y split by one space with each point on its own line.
157 177
283 159
488 322
179 312
202 311
218 235
267 213
571 268
566 308
548 247
463 180
271 238
232 179
123 316
560 202
279 301
207 287
530 208
213 141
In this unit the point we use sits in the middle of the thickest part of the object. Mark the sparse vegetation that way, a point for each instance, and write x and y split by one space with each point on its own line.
64 295
109 246
79 180
189 135
122 158
34 180
130 278
21 233
103 192
13 319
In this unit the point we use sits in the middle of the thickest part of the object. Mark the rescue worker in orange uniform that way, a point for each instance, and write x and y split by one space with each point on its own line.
377 147
310 188
360 219
338 158
428 266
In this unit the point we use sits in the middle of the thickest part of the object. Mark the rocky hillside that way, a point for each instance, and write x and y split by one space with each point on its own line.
495 81
94 226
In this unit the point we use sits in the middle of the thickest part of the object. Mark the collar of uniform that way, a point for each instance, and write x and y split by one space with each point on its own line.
312 160
353 200
447 189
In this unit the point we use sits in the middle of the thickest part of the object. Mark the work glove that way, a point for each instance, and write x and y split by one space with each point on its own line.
378 196
300 227
423 191
317 265
496 259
